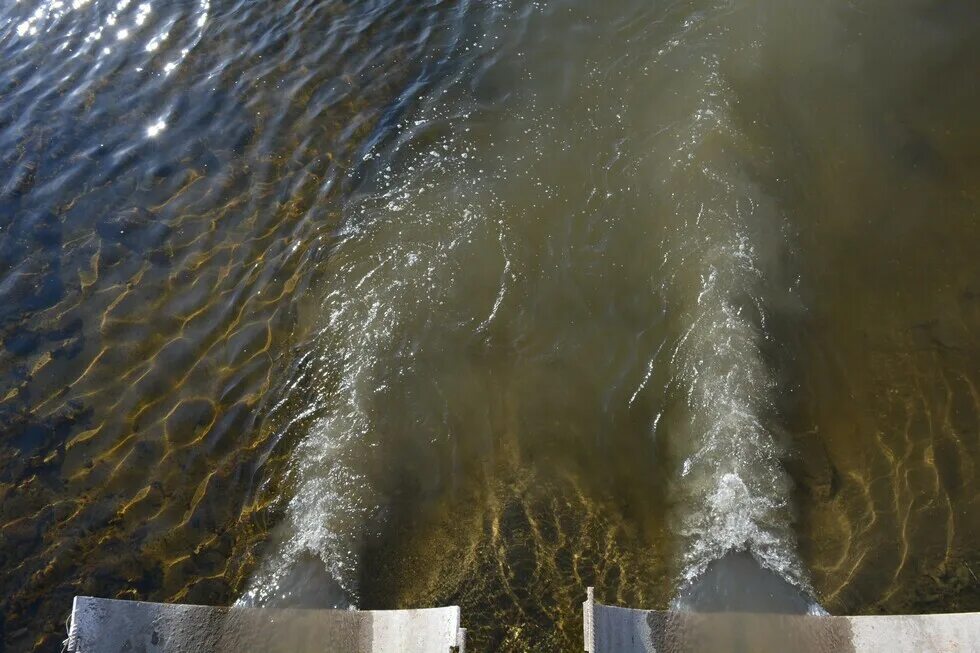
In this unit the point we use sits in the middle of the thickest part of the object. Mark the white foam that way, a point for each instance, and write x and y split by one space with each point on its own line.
732 494
392 292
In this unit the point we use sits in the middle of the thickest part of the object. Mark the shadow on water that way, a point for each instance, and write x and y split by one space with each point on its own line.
739 606
738 583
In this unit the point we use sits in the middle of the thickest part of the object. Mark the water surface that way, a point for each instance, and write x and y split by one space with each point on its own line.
394 304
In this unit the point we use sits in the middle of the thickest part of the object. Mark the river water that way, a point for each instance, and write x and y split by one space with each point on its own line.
397 304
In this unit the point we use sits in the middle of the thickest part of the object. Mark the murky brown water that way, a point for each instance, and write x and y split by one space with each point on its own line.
414 303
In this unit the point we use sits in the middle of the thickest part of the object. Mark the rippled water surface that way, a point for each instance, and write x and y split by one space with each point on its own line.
397 304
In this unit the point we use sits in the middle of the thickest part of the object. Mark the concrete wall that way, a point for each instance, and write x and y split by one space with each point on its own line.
110 626
609 629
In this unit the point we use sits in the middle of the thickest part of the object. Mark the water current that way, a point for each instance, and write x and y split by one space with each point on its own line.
397 304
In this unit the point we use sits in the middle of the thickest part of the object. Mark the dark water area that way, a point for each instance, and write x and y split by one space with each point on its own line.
400 304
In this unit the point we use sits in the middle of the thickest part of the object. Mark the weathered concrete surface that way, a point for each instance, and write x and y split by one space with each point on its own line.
609 629
110 626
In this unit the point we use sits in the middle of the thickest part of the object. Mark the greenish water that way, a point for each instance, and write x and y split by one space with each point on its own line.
396 304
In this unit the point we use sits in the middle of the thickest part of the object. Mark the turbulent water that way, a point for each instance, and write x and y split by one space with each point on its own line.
393 304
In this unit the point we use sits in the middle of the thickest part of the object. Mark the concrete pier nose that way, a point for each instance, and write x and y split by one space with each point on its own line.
112 626
611 629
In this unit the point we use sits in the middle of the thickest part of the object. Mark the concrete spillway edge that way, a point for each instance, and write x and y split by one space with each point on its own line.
109 626
611 629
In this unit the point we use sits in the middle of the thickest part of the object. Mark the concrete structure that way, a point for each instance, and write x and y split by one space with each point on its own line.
609 629
110 626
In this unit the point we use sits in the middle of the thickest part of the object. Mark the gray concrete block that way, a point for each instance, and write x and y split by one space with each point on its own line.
610 629
111 626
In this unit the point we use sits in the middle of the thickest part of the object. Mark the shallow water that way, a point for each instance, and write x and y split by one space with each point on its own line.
395 304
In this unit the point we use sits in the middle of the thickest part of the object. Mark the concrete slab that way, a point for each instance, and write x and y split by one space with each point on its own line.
610 629
111 626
